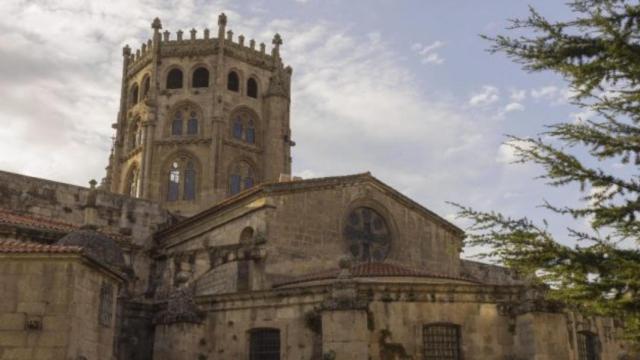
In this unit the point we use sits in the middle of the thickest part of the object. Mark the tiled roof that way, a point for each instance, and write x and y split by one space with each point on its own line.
8 217
25 247
373 269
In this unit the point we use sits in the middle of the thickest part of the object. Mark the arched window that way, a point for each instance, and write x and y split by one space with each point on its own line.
174 79
441 341
241 177
588 346
243 127
200 78
133 182
251 132
264 344
192 124
233 81
189 182
176 124
182 177
185 117
174 182
134 94
246 235
146 84
252 88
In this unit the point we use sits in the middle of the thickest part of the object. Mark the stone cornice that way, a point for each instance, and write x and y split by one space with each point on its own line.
194 140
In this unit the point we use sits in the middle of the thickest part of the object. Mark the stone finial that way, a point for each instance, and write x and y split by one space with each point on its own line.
222 19
193 33
241 40
166 35
90 212
126 51
156 25
207 34
179 34
144 48
149 43
137 54
277 40
263 47
252 44
230 35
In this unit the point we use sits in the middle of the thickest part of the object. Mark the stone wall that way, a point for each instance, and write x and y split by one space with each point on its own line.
305 231
49 308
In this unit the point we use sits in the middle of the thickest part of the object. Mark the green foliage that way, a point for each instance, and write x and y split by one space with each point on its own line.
598 53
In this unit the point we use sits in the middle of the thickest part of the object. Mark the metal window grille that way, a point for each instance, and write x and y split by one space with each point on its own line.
587 346
106 304
264 344
441 342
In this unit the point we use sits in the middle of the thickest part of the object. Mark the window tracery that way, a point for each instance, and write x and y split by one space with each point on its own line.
241 177
186 118
243 127
182 179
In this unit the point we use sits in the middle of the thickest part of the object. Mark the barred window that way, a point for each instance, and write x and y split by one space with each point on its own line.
588 346
233 81
441 341
174 79
106 304
264 344
200 78
252 88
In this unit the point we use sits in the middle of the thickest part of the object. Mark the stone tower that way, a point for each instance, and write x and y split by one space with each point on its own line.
201 118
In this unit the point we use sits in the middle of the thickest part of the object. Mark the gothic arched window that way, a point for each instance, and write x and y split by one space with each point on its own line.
176 124
185 117
146 85
264 344
252 88
192 123
200 78
233 81
243 127
134 94
174 182
189 182
241 177
182 179
174 79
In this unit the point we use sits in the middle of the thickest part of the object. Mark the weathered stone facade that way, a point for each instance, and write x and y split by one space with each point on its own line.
215 252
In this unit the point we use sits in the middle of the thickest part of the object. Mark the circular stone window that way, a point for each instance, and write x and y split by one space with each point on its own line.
367 235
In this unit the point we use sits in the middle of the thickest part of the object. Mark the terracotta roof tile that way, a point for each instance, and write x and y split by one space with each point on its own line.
11 218
8 217
25 247
373 269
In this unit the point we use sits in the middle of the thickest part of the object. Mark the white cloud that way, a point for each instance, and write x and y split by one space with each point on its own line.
514 106
507 153
518 95
553 94
488 95
428 53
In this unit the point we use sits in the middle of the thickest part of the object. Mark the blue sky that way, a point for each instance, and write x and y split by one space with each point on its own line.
404 89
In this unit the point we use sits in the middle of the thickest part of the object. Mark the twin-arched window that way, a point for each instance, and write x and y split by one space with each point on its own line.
241 177
233 84
243 127
185 121
181 180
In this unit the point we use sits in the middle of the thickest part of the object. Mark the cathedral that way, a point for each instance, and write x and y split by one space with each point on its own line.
199 243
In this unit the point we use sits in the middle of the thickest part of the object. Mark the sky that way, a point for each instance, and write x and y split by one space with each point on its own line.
402 88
